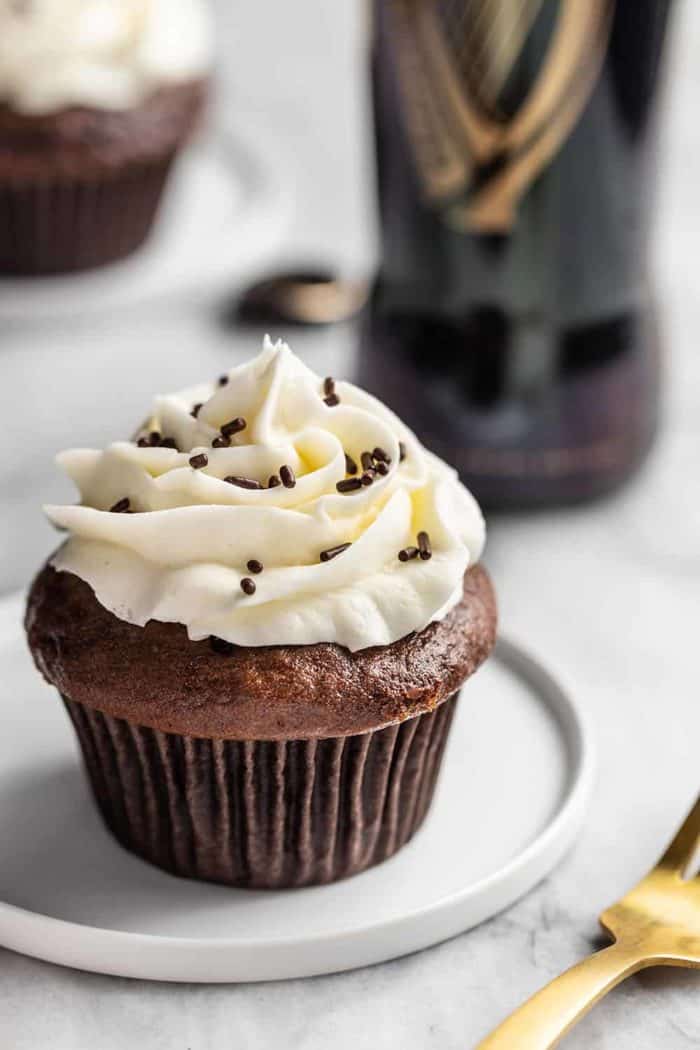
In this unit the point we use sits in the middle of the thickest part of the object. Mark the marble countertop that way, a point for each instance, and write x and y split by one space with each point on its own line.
608 592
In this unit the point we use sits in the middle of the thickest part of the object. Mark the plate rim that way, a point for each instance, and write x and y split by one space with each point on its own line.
510 882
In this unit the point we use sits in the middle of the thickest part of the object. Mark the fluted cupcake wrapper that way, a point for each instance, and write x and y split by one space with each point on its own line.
68 223
263 813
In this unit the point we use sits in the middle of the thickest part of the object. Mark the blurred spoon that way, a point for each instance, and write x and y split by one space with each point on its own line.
300 297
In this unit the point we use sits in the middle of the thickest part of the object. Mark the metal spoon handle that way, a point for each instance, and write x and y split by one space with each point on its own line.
546 1018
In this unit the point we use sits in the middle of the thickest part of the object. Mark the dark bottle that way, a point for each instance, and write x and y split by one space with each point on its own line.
511 322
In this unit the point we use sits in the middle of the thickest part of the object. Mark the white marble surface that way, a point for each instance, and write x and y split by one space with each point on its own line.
609 593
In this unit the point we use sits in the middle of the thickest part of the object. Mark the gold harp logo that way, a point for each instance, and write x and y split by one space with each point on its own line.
454 58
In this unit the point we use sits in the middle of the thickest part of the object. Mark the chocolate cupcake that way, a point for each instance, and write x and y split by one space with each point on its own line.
96 102
260 624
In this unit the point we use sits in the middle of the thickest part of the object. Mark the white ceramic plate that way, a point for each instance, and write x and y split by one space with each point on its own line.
225 212
510 801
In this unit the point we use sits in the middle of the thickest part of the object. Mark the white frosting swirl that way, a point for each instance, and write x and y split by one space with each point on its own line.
183 553
109 54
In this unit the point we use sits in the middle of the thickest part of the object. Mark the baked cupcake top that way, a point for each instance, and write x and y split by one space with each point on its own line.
103 54
271 508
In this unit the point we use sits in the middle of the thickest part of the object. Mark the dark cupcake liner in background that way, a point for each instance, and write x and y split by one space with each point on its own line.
269 814
64 224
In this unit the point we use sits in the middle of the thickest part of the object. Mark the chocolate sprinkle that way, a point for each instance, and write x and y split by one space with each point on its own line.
199 461
154 440
196 409
234 426
273 482
402 452
221 442
380 455
349 485
333 552
332 400
248 585
367 478
223 380
254 566
367 461
424 546
243 483
350 465
381 468
329 385
219 645
408 553
121 506
287 476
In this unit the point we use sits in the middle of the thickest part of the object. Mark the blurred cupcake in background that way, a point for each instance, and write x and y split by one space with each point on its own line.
97 98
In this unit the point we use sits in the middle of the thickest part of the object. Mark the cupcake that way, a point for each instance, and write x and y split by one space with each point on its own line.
259 622
97 97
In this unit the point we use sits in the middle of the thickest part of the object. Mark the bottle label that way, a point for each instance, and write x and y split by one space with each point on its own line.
489 91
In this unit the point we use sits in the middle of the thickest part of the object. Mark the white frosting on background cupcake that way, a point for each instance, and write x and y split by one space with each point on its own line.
183 553
107 54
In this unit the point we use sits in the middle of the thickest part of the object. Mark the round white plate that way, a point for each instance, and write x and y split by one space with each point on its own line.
225 212
510 802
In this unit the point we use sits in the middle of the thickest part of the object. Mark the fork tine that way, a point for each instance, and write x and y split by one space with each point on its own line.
684 846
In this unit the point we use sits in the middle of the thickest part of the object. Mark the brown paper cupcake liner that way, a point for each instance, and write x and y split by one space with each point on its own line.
268 814
63 224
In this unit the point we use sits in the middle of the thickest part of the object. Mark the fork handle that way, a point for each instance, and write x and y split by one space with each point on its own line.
546 1018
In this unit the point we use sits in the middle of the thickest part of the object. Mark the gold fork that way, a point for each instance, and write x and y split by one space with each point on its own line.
656 924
